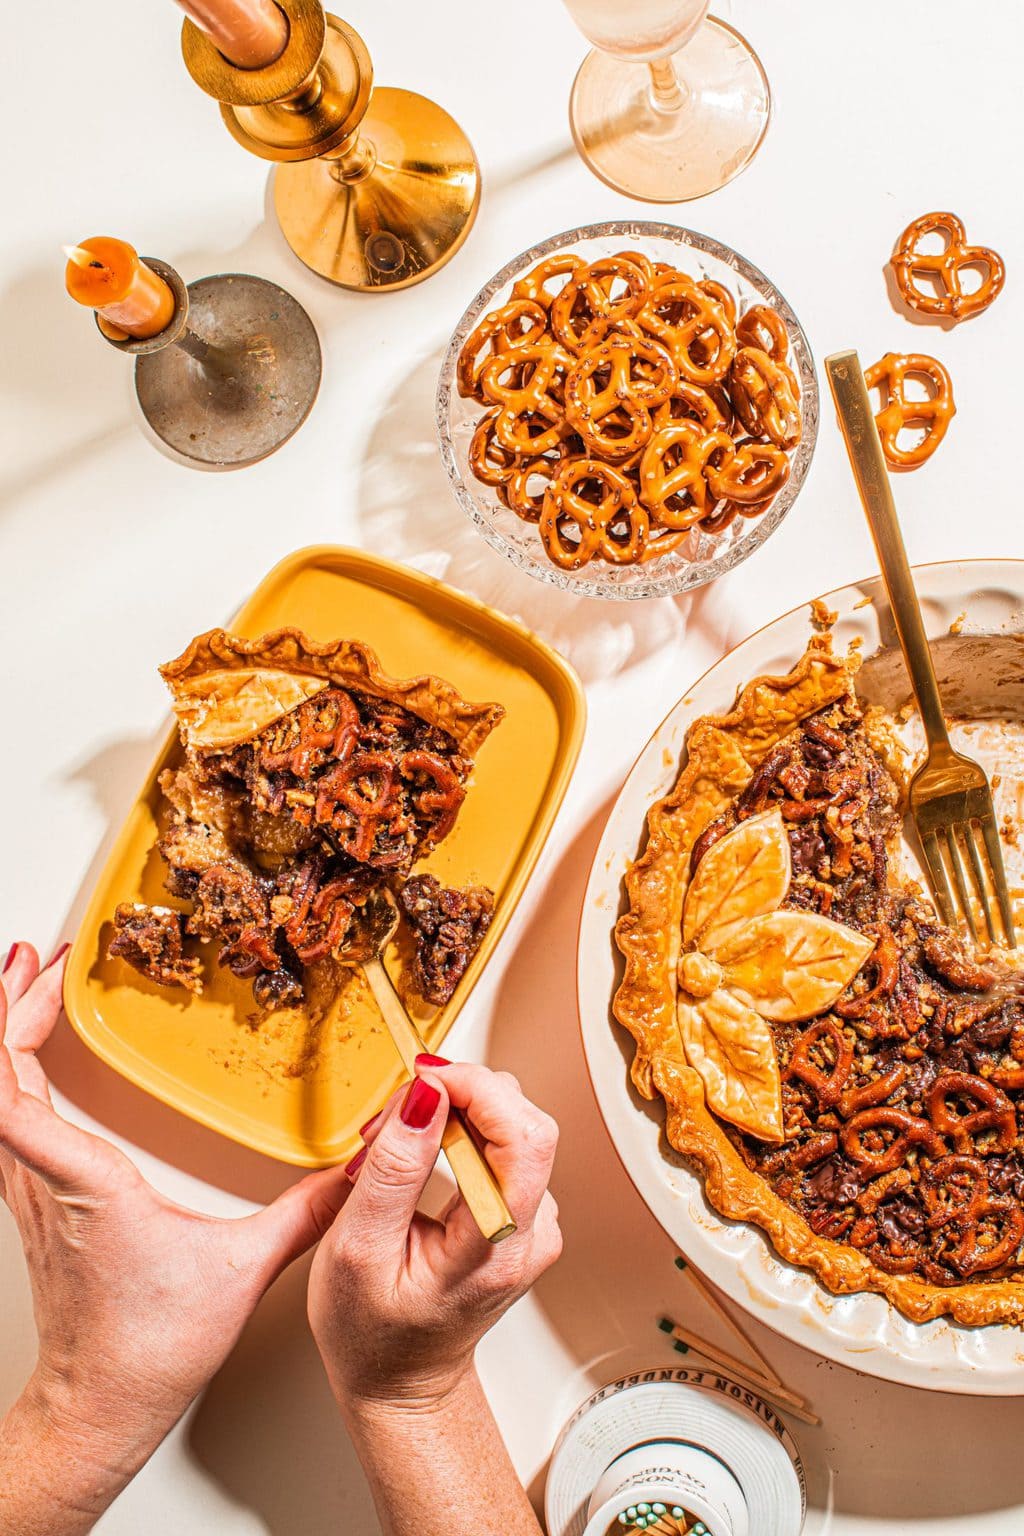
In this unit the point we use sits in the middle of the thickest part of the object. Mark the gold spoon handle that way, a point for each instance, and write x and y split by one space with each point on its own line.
477 1184
857 423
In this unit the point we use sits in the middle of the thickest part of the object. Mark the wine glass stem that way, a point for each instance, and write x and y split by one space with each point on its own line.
668 94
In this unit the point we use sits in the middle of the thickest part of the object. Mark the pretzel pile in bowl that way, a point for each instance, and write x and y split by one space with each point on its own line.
626 404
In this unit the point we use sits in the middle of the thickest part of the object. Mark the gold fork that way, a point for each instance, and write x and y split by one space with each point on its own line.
950 798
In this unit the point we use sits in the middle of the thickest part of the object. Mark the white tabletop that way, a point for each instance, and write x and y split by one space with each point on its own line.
111 557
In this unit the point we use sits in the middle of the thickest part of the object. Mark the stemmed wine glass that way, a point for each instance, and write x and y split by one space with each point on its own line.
672 103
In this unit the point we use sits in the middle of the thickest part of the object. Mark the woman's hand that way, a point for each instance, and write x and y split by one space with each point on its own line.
398 1302
137 1301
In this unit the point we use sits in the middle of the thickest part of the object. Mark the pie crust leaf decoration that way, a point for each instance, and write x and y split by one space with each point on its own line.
745 874
745 962
793 965
722 754
731 1047
279 670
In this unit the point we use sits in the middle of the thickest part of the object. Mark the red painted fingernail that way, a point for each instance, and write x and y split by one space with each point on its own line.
419 1105
56 955
423 1060
10 959
372 1121
357 1162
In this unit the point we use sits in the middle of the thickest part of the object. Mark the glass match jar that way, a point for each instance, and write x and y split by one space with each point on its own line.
668 1485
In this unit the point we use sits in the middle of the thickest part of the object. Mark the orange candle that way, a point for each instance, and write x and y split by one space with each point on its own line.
249 33
108 276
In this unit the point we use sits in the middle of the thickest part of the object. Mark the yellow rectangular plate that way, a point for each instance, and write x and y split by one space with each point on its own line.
278 1083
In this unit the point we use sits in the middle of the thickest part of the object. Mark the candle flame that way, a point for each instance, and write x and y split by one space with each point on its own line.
80 256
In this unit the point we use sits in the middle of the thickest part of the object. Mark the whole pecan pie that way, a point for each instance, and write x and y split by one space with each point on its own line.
843 1071
310 779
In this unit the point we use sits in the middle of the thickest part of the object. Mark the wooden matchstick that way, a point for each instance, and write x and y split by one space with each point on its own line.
744 1374
726 1317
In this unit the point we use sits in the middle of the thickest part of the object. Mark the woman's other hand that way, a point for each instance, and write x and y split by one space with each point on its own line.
398 1301
137 1300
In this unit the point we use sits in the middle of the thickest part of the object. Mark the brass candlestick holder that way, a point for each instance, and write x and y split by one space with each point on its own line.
234 389
373 191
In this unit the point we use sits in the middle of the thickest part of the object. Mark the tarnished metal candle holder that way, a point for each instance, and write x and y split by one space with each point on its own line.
373 191
232 390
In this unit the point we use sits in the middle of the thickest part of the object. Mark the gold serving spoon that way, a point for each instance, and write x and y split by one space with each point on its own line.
479 1187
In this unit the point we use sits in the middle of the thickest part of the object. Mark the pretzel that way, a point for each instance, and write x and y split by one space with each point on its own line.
439 792
628 407
672 482
692 317
934 414
864 1138
1001 1224
763 397
520 382
613 525
764 327
945 267
489 461
995 1116
953 1188
609 394
749 474
589 296
518 497
325 728
534 285
355 797
688 402
827 1080
515 324
721 295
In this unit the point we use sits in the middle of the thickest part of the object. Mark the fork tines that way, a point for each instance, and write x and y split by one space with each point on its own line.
944 840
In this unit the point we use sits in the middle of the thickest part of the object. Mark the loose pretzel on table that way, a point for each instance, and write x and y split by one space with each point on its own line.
945 266
933 414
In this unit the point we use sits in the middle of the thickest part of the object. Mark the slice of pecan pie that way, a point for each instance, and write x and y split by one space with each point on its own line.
309 780
842 1070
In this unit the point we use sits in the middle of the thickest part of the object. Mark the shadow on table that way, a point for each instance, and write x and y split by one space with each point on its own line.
894 1452
407 511
268 1430
56 371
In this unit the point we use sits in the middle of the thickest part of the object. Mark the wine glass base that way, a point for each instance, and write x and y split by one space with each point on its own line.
257 390
670 157
399 220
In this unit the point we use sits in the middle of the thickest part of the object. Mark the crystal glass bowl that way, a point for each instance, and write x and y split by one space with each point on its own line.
704 556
